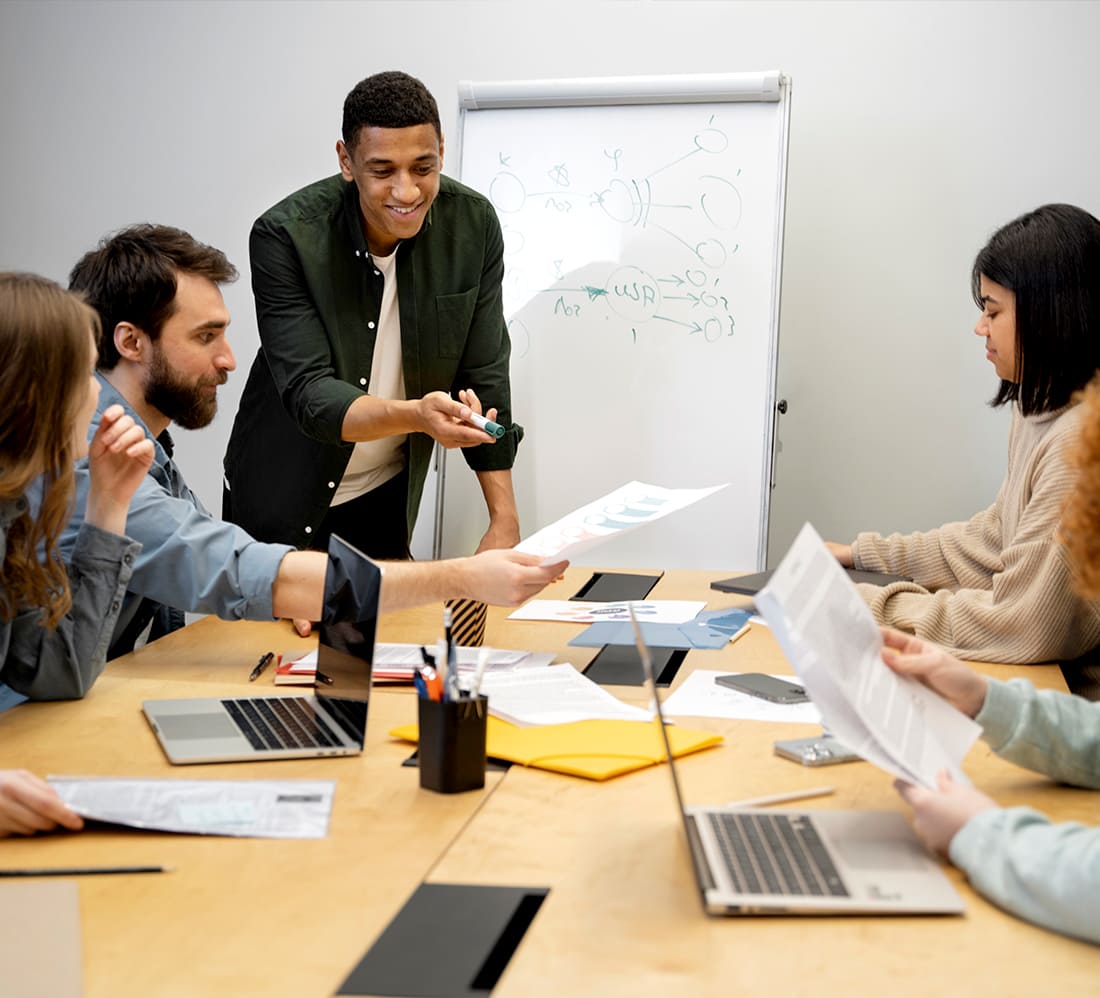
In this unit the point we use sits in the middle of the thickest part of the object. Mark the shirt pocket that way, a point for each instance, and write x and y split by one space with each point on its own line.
453 315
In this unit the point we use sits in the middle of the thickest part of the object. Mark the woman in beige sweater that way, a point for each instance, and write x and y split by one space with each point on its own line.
997 587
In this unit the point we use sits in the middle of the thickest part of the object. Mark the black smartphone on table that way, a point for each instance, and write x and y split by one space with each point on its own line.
766 687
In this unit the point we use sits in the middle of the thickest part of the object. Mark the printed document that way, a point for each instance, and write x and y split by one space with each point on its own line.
558 694
834 645
631 506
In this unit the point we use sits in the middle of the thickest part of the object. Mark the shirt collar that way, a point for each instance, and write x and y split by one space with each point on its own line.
109 395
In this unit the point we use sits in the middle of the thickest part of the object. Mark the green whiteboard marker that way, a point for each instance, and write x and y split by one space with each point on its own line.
493 429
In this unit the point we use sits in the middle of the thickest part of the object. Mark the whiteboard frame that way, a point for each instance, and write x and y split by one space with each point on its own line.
768 87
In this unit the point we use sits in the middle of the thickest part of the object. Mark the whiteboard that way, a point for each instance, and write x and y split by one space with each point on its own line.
643 229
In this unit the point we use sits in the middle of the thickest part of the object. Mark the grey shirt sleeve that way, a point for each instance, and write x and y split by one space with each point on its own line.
63 663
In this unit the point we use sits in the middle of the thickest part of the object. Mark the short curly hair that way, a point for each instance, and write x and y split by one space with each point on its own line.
388 100
1080 529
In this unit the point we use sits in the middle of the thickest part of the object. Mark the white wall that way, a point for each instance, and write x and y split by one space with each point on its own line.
917 129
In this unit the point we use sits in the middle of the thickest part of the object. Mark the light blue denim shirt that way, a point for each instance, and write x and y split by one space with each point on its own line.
62 663
1045 872
189 560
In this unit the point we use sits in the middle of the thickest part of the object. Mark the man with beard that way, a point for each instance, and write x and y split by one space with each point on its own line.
163 353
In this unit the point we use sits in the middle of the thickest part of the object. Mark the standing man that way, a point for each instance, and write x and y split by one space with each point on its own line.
378 296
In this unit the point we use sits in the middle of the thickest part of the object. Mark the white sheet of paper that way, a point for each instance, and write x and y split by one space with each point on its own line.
276 809
700 696
558 694
834 645
630 506
568 611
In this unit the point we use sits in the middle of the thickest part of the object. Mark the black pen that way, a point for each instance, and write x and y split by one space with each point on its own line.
260 666
322 678
80 871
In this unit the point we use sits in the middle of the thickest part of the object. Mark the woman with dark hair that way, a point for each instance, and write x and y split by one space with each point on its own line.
998 587
56 620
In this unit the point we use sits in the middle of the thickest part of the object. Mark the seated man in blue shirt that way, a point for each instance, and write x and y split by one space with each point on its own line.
163 353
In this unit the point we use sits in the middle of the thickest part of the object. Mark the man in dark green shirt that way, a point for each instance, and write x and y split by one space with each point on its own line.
378 297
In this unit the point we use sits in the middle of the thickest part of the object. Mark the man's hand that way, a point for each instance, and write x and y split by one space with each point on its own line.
957 683
29 805
118 459
444 420
842 553
938 815
507 578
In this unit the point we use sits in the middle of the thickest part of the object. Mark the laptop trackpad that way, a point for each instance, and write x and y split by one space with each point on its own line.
880 854
212 725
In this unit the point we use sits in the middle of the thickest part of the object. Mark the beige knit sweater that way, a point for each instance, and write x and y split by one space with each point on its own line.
996 588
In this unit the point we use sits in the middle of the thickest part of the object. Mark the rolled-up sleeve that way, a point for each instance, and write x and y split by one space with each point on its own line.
193 562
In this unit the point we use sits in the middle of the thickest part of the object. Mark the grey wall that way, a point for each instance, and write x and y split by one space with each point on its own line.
917 129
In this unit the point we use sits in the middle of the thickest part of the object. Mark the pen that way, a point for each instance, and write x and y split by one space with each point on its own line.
782 798
81 871
260 666
493 429
323 678
482 661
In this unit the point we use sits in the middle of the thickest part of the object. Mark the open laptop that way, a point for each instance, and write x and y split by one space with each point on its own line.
766 861
241 729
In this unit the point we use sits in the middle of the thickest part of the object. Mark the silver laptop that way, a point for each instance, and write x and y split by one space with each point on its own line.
759 861
332 722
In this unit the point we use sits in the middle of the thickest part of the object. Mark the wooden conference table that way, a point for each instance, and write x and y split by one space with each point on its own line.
272 917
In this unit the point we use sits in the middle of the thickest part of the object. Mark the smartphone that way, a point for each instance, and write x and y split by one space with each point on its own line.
766 687
824 750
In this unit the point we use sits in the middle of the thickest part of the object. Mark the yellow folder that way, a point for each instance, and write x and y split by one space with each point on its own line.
595 750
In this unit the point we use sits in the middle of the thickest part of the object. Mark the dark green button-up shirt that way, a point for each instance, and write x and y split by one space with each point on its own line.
318 297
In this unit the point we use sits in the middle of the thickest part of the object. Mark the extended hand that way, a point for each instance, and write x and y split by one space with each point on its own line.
29 805
939 814
957 683
444 420
507 578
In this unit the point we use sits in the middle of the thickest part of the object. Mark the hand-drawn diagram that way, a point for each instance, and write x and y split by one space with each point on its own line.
684 209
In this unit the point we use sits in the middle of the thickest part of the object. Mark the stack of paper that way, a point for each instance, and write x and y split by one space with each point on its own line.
833 643
557 694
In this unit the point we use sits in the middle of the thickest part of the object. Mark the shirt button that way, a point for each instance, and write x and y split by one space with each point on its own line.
362 381
357 252
128 558
370 325
332 485
378 273
116 606
309 530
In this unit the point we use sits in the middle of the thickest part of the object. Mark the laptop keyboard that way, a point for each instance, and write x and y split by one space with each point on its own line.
280 723
775 854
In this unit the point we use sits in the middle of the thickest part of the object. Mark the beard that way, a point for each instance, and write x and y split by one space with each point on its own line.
187 405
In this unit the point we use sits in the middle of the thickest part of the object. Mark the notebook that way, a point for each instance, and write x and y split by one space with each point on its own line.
750 585
243 729
761 861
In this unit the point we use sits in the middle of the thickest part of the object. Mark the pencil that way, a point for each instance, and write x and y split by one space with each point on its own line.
80 871
782 798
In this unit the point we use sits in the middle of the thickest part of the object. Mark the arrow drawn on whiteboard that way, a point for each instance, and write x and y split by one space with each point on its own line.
674 279
504 160
693 326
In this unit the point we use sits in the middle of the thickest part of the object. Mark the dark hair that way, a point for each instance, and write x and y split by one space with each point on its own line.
131 277
1050 259
388 100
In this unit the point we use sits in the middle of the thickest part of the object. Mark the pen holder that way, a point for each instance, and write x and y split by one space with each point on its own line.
451 752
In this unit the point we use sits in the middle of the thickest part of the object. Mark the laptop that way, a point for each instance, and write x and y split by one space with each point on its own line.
767 861
750 585
243 729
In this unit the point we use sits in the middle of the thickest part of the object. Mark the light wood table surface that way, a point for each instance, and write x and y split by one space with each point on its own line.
256 917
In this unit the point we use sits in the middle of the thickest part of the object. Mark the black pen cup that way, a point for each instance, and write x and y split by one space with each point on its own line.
451 753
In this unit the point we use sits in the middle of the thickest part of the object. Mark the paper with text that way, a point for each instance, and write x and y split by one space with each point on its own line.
834 645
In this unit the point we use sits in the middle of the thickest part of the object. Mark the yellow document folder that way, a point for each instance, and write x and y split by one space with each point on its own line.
596 750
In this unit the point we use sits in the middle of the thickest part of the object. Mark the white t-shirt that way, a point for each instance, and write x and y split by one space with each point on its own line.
375 462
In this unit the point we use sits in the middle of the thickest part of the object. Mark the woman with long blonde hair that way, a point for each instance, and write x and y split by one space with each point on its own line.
56 619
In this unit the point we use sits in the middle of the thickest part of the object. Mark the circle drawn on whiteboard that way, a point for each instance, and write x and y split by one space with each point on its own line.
520 336
507 192
633 294
720 202
514 240
711 253
711 140
617 201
